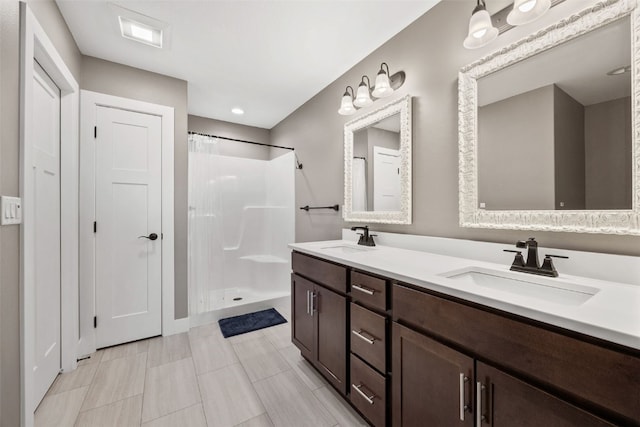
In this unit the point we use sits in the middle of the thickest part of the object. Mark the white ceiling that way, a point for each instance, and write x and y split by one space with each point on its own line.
268 57
578 67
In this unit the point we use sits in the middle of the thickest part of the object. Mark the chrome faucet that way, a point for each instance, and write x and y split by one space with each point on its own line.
532 265
366 239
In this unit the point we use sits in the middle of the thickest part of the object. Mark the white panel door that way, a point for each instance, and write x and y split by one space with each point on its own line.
128 208
386 179
46 207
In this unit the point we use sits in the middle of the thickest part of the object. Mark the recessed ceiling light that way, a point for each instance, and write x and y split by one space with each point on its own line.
238 111
619 71
139 32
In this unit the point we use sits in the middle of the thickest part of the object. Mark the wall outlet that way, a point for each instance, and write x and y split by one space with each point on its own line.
10 210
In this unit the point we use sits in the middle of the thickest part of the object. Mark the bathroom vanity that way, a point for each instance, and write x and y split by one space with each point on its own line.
412 338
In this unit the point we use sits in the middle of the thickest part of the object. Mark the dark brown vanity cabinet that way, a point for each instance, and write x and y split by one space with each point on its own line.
320 316
369 364
430 382
434 382
408 356
506 371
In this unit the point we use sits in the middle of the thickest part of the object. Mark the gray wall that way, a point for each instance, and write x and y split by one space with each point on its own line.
9 236
569 148
430 52
235 131
515 152
49 17
608 154
115 79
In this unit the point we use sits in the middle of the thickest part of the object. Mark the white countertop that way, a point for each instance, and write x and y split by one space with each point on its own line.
612 314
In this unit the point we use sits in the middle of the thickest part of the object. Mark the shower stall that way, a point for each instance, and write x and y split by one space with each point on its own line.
241 218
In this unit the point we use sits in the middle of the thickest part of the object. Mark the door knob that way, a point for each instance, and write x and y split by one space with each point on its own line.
152 236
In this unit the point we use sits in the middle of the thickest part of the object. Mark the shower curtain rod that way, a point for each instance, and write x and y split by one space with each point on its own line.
240 140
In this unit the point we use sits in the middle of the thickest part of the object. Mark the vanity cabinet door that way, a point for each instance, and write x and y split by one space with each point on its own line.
302 328
330 311
505 401
432 384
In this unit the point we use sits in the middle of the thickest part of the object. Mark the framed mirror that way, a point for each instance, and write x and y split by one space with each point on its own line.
377 165
547 128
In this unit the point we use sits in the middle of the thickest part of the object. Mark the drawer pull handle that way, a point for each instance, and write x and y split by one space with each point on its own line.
479 417
331 373
362 337
363 394
463 406
363 289
308 301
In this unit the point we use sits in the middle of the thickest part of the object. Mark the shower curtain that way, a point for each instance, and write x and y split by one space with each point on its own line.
359 192
241 218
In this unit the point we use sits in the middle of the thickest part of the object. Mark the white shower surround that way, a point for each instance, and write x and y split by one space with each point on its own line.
241 218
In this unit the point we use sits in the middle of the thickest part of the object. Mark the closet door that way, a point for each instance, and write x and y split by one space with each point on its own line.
128 215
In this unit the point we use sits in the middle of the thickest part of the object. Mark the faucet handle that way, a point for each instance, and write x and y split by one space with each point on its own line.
547 264
518 261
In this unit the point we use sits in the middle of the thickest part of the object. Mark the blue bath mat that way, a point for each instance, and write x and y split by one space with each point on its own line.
237 325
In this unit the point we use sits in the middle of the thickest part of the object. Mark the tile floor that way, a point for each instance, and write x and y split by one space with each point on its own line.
197 379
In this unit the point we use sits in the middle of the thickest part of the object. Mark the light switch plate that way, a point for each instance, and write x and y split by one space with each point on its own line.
10 210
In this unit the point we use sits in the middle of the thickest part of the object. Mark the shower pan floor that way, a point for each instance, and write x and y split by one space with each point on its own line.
235 301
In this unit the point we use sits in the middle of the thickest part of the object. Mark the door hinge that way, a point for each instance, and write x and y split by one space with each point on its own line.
95 321
95 131
95 227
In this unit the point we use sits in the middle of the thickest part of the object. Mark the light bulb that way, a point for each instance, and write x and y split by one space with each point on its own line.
527 6
525 11
480 33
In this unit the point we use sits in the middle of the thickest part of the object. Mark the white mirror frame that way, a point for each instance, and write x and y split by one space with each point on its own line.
585 221
403 216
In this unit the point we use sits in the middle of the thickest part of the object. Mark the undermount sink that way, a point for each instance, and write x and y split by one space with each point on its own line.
348 249
548 289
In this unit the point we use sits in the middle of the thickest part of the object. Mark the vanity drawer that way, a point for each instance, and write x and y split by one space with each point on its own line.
328 274
369 290
606 376
368 392
368 336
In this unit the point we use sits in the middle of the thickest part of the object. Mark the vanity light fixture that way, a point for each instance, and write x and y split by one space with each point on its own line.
346 106
481 29
386 84
139 32
525 11
363 97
